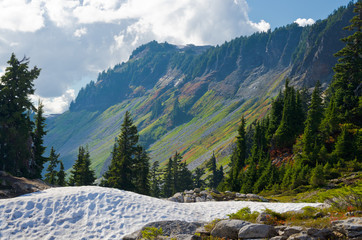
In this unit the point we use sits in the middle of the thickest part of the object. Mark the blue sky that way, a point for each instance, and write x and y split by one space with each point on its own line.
73 40
282 12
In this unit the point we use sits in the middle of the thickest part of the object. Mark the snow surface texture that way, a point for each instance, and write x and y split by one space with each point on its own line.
103 213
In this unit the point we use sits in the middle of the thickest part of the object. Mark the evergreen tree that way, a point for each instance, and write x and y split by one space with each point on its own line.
346 85
276 114
345 149
317 179
212 178
123 170
155 180
197 178
142 165
61 175
15 125
185 178
51 172
38 136
237 159
167 187
81 174
311 143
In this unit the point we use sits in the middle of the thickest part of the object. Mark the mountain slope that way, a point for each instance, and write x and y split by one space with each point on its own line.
190 99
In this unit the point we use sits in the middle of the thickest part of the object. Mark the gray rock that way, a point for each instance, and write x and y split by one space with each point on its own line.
197 190
200 199
228 229
240 195
189 192
188 199
290 231
352 227
185 237
228 192
169 228
204 192
133 236
263 199
322 234
301 236
278 238
250 195
257 231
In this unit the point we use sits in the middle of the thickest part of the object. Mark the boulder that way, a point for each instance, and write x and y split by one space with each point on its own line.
257 231
302 236
322 234
200 199
240 195
228 229
197 190
252 196
288 231
351 228
174 229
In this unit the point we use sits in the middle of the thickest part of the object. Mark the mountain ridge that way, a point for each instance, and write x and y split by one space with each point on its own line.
191 100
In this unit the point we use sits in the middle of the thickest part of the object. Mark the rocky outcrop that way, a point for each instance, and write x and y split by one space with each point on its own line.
11 186
350 228
173 229
239 229
197 195
228 229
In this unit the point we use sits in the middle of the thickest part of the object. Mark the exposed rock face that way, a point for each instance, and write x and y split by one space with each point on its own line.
257 231
228 229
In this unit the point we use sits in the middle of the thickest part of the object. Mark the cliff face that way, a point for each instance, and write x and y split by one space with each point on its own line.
190 99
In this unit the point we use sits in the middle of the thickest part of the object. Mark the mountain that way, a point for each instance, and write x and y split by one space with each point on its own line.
190 98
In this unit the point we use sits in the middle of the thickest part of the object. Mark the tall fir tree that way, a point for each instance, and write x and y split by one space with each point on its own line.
38 135
141 182
197 178
346 86
155 179
16 85
122 172
82 174
311 139
61 175
167 185
51 172
238 158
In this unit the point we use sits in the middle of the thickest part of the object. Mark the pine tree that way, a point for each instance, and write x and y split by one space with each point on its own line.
167 186
142 165
15 125
155 180
120 173
38 136
81 174
346 85
311 143
51 172
197 178
212 178
61 175
317 179
238 159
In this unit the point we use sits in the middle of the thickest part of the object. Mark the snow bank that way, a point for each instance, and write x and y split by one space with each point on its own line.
103 213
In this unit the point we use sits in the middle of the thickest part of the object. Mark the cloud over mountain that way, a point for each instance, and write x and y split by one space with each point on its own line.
72 40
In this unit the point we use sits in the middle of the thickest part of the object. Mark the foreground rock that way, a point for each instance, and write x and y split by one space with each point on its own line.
350 228
238 229
11 186
196 195
172 229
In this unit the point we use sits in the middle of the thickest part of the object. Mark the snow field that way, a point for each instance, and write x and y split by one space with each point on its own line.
91 212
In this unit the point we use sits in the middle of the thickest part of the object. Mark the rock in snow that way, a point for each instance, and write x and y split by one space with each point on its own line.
92 212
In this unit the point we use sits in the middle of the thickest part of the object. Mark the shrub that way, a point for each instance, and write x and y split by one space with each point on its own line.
151 233
244 214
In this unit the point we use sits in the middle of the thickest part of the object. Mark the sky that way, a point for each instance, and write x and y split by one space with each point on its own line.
73 40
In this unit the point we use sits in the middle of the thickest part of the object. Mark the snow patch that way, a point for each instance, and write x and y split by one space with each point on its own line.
92 212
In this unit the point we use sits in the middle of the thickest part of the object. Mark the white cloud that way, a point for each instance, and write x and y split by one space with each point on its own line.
73 39
21 15
80 32
55 105
302 22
